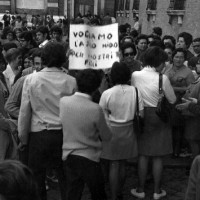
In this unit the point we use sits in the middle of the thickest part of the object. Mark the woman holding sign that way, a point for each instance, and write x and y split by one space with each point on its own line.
119 105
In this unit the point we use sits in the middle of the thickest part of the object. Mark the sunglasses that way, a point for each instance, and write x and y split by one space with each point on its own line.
129 54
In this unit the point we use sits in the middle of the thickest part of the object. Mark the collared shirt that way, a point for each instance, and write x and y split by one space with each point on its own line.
43 43
40 100
119 104
9 76
147 81
83 95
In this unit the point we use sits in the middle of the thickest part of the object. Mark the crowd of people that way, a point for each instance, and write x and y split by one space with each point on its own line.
80 125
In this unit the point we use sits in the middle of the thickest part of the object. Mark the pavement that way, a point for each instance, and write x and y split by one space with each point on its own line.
174 181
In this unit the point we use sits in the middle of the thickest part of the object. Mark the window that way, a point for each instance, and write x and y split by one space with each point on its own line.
151 5
136 5
177 5
127 4
120 5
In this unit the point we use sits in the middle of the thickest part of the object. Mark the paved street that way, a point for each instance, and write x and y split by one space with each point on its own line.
174 181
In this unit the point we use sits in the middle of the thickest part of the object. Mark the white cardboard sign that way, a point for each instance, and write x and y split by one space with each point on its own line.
93 47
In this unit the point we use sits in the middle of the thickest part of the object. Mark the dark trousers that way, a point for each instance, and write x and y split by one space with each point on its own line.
80 170
45 152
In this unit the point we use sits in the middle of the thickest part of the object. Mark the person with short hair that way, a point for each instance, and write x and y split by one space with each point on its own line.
84 129
137 25
156 140
184 40
17 182
11 37
18 22
142 45
39 125
57 35
119 104
26 40
169 39
180 78
42 36
6 18
157 31
128 53
13 103
196 59
14 59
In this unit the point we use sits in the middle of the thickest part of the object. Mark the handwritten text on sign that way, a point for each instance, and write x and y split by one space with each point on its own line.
94 46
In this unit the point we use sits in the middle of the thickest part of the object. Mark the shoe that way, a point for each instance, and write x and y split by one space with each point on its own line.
157 196
140 195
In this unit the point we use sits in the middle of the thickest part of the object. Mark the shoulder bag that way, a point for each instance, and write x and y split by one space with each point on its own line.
163 106
138 122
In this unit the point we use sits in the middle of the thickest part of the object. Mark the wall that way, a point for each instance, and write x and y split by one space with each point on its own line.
5 5
30 7
190 24
38 7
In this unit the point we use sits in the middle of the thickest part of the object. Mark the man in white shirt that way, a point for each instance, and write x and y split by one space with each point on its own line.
39 123
42 36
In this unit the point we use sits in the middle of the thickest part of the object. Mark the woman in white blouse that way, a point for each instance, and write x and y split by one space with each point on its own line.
119 105
156 141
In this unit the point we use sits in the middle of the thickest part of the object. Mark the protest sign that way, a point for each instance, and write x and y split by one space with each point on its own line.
93 47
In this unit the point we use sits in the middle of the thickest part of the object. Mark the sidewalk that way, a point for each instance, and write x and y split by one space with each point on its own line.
174 181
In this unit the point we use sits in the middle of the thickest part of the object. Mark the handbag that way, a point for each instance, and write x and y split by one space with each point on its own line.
138 122
163 106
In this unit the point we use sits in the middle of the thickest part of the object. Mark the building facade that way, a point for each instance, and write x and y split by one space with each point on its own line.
55 7
173 16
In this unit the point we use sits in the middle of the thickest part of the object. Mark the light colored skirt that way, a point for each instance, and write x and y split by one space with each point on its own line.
123 144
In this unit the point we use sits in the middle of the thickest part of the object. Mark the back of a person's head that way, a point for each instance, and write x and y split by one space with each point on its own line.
53 55
19 17
27 35
187 38
154 37
155 56
88 80
127 25
17 181
127 39
157 31
56 29
12 54
9 45
122 28
120 73
157 43
134 33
